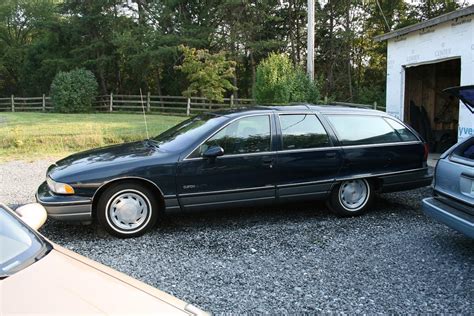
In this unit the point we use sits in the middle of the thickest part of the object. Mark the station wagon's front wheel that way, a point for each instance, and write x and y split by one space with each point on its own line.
127 210
351 197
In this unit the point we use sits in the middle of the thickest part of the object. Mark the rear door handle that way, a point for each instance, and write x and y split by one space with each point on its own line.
330 155
267 160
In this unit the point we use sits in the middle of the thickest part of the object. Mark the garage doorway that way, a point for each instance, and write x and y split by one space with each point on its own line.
427 109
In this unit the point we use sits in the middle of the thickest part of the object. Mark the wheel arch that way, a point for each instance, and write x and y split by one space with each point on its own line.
142 181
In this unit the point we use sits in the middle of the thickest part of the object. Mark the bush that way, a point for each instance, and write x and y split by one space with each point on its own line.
371 94
74 91
278 81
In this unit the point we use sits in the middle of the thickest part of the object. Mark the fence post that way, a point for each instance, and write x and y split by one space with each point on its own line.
111 104
231 100
13 103
148 102
44 103
325 99
375 105
188 107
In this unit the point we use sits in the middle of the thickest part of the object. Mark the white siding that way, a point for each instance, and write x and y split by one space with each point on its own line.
452 39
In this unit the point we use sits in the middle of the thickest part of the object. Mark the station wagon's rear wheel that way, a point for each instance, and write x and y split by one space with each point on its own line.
127 210
351 197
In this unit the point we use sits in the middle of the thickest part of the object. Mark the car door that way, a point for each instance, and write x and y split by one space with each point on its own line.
242 176
307 161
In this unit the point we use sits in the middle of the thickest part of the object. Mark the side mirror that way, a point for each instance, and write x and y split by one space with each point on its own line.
34 215
213 152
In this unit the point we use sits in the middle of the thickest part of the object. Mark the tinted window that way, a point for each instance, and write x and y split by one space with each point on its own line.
302 131
185 133
405 133
363 130
246 135
466 150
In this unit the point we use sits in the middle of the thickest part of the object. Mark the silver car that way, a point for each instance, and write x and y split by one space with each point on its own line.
453 182
453 188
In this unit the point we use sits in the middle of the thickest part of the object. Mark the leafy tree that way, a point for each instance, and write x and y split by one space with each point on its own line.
21 24
209 75
278 81
74 91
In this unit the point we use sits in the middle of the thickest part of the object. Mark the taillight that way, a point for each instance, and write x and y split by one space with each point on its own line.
427 151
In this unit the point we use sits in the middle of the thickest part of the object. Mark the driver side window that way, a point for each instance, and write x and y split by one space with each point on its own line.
246 135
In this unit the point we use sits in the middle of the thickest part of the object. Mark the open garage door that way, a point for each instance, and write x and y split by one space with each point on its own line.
430 111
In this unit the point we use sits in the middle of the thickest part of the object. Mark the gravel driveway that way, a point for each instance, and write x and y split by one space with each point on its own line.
286 259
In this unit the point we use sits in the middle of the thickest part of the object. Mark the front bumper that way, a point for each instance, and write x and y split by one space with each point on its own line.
64 207
449 215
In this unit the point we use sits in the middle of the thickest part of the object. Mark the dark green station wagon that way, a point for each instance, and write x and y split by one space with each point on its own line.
240 157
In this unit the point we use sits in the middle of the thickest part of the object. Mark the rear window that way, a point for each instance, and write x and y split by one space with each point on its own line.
465 150
363 130
405 134
301 131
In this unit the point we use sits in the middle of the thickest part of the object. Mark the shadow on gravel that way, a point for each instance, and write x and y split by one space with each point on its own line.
219 219
236 218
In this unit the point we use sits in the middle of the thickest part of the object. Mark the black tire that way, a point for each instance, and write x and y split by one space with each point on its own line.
127 210
362 202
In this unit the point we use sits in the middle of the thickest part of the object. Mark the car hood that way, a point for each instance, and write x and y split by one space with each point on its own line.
100 158
66 283
465 94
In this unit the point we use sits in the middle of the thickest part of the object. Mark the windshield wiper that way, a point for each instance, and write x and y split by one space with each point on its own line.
152 142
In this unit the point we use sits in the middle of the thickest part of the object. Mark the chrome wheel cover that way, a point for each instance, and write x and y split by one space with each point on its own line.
128 211
354 194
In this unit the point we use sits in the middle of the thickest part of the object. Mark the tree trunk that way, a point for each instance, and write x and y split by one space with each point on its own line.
349 48
253 67
330 84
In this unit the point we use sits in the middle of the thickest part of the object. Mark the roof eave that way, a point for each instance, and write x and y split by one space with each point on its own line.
428 23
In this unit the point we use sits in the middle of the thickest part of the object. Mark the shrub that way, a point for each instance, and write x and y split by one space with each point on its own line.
371 94
74 91
278 81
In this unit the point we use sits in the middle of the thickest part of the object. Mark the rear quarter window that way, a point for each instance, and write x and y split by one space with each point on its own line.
362 129
405 134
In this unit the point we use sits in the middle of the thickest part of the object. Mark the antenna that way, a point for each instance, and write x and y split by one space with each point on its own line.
144 115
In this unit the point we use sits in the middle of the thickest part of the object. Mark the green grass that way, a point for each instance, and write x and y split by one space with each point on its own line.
38 135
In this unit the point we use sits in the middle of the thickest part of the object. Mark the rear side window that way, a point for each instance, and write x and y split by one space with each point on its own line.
301 131
362 130
405 134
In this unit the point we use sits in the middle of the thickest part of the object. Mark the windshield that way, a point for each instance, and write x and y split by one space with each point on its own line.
19 245
184 134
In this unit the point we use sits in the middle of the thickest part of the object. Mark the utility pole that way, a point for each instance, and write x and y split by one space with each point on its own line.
310 48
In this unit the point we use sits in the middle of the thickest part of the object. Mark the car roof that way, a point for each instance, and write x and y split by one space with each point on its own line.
304 108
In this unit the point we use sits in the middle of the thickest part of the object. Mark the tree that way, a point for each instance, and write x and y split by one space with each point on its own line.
209 75
279 81
21 24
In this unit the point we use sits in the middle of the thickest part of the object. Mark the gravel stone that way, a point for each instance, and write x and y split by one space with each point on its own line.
283 259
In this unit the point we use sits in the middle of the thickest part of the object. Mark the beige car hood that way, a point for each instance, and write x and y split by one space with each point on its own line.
66 283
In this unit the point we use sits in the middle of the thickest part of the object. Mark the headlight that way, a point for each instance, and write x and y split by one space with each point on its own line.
59 188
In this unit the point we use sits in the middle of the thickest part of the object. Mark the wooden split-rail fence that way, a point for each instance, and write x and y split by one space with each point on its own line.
173 105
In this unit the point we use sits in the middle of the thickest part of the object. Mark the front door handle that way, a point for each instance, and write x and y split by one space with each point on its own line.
268 161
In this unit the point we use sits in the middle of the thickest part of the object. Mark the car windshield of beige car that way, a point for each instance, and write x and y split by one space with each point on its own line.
19 245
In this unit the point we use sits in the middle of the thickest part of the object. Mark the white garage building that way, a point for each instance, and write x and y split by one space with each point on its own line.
422 60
